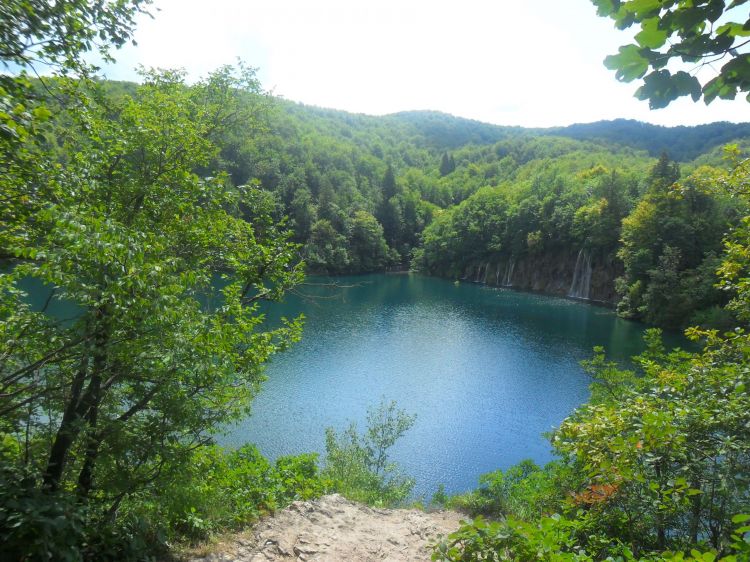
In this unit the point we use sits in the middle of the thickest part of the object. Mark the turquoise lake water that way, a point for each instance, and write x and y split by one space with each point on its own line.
487 371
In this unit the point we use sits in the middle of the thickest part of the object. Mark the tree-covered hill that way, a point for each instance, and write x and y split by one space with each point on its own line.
507 206
681 143
576 211
442 131
446 132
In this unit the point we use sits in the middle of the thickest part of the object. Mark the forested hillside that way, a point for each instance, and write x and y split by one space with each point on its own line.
531 209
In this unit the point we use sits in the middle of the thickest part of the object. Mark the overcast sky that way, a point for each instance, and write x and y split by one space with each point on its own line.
520 62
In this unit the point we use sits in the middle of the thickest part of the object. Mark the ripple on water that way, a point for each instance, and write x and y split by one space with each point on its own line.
487 371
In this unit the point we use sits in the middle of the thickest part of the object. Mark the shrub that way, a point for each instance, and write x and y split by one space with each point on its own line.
358 465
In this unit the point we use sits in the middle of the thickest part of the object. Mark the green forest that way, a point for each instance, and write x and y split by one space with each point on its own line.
168 212
466 200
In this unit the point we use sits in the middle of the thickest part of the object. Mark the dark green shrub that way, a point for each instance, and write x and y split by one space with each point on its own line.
35 525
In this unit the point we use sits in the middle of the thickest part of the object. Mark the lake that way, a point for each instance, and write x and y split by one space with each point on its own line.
487 371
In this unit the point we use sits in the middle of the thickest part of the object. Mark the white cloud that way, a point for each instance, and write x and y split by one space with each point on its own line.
533 63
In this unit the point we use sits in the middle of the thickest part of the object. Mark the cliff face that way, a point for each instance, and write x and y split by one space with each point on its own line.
581 274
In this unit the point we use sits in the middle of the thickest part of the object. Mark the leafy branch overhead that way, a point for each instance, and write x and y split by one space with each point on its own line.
698 33
55 34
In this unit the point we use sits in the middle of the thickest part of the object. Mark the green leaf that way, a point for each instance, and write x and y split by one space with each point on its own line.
687 85
605 7
733 29
42 113
629 64
650 35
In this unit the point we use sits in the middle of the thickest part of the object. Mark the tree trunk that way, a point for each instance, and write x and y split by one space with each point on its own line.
79 406
93 399
66 433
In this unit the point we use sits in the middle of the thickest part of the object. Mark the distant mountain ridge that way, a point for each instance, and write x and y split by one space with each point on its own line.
682 143
445 132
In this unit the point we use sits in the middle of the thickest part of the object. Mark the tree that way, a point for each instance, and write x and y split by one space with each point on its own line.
326 250
54 35
698 34
390 188
57 33
367 248
447 164
666 240
161 351
303 213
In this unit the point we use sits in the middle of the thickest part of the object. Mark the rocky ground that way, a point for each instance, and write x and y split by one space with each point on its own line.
335 529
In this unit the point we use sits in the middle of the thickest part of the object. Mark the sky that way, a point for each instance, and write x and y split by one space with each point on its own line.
534 63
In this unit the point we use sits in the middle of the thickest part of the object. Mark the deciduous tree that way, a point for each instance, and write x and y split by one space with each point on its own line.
699 34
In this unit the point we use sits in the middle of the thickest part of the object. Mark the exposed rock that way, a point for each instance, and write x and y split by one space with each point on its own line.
550 273
335 529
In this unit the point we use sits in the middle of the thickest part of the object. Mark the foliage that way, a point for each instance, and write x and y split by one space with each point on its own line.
218 490
669 247
358 465
120 227
655 462
326 250
554 539
369 251
683 143
551 207
736 263
525 491
223 490
36 31
34 524
325 165
658 463
700 33
133 238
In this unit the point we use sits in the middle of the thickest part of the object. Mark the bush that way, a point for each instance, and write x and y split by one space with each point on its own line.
35 525
38 525
358 465
223 490
560 539
217 491
524 490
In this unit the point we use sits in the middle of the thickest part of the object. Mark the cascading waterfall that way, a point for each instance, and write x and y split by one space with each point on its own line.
497 275
508 279
580 288
486 271
479 272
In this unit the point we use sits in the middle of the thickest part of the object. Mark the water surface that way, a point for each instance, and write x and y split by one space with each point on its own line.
487 371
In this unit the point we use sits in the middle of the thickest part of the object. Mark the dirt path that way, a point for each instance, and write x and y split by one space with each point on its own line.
334 529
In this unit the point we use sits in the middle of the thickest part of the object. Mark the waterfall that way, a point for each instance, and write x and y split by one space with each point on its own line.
486 271
497 275
581 285
479 272
508 279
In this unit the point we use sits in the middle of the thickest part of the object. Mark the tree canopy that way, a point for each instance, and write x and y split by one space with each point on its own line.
704 33
58 33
